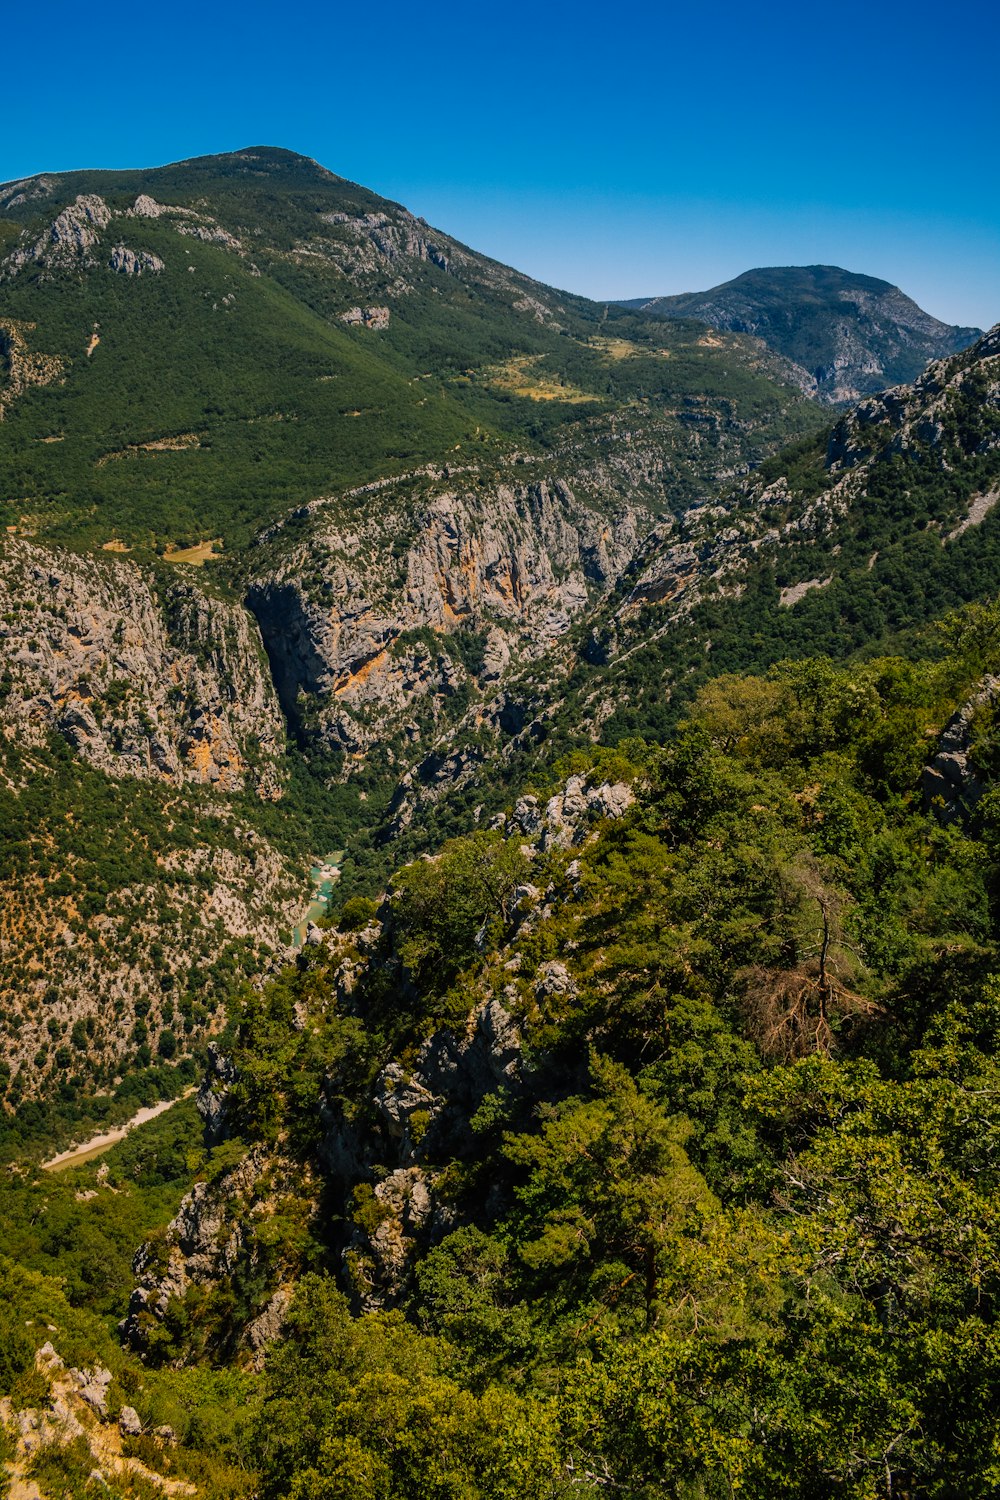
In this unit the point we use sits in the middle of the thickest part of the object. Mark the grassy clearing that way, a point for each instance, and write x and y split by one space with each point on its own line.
197 556
524 377
619 349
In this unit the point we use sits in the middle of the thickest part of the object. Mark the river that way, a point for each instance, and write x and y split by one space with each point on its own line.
324 876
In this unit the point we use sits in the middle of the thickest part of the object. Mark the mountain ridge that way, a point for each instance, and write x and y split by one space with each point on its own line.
413 600
630 1123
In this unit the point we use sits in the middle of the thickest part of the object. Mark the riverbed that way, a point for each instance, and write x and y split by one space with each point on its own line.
98 1144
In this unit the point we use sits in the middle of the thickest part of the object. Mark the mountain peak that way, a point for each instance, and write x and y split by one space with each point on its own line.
847 335
260 159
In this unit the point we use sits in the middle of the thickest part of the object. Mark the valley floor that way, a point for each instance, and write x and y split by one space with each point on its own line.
76 1156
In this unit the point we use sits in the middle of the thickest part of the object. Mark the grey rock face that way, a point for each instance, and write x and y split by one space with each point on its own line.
220 1076
27 190
92 1386
162 689
519 563
148 208
212 234
134 262
68 242
452 1075
205 1243
366 317
554 979
379 1257
391 237
265 1328
949 782
129 1423
569 812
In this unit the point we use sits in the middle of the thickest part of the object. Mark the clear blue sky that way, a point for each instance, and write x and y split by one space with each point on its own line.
616 150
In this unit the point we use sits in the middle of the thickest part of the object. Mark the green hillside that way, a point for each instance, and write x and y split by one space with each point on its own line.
627 1124
225 388
710 1182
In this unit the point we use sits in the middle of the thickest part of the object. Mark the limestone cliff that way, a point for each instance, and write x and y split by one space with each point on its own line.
358 622
167 684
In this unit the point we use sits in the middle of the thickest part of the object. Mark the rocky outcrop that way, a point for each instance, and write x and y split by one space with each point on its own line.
134 262
378 1167
211 233
218 1078
69 241
21 366
392 237
951 785
146 207
168 688
425 1111
205 1244
568 816
27 190
366 317
129 1422
77 1409
420 1116
268 1325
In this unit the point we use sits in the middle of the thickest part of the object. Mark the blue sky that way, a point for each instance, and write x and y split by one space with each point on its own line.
615 150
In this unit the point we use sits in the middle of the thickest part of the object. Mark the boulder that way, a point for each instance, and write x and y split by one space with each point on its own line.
129 1423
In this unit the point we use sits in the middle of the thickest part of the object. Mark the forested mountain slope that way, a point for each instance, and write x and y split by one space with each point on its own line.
281 470
629 1125
432 547
194 349
850 539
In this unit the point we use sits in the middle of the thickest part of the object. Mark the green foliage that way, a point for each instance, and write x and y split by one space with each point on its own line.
610 1196
729 1226
356 913
226 389
446 907
84 1227
367 1407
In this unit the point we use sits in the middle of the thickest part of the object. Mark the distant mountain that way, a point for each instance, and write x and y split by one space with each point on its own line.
847 335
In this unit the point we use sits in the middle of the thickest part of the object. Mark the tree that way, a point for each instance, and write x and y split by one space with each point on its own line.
612 1205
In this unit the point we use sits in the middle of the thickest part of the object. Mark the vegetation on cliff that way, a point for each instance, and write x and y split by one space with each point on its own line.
721 1216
